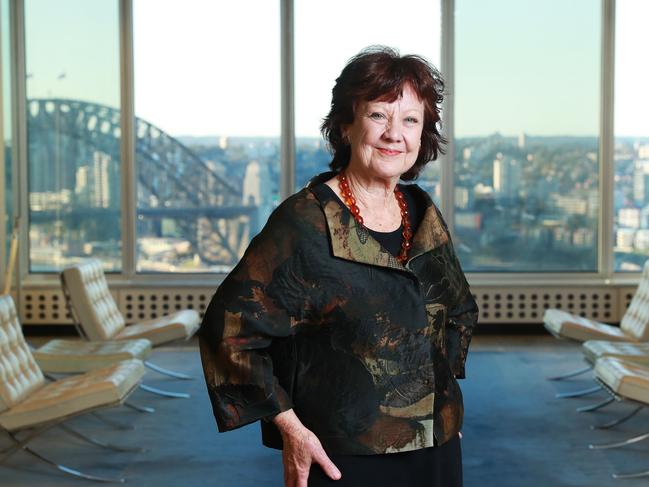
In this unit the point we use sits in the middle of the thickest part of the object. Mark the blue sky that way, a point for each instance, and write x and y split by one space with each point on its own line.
521 65
529 66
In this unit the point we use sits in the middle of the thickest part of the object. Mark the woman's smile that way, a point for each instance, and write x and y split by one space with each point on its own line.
389 152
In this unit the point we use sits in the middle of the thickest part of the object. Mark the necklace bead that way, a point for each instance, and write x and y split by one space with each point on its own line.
350 202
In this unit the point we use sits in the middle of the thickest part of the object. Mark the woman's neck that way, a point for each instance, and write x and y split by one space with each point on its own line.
371 192
374 197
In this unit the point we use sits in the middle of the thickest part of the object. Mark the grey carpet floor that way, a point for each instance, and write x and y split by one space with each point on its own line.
516 433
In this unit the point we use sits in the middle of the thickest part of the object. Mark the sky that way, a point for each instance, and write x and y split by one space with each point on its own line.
213 68
515 73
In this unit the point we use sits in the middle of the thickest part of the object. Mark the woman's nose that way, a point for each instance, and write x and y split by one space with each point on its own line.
393 131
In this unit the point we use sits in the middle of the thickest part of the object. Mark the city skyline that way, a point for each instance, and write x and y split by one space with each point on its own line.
514 197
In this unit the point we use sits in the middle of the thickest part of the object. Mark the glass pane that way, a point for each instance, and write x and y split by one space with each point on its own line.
5 141
208 124
73 131
321 53
526 126
631 202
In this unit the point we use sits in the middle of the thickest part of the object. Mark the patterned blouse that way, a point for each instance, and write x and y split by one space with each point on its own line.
318 317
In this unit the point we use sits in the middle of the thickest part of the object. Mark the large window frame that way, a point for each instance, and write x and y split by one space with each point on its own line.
605 271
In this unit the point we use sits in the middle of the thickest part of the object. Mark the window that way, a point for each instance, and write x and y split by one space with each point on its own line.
327 34
526 106
526 126
73 132
631 196
207 130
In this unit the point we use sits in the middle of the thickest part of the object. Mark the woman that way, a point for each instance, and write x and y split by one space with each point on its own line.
348 320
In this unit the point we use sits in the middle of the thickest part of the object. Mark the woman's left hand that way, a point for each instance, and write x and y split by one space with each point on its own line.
302 448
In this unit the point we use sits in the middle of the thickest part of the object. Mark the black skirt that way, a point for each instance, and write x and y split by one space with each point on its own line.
439 466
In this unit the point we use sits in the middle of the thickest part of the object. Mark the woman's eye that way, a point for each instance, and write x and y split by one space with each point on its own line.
412 120
377 116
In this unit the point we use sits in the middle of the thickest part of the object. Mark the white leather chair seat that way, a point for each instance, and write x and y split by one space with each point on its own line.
75 394
100 318
568 325
180 325
631 352
634 325
627 379
78 356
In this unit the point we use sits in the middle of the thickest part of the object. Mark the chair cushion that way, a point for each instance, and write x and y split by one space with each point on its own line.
627 351
568 325
78 356
75 394
180 325
92 301
19 373
626 379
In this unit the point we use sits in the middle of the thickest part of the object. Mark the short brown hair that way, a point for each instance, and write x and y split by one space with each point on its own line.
380 73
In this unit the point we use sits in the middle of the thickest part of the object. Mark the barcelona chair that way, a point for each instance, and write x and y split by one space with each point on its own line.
60 356
98 318
627 382
634 326
594 350
30 406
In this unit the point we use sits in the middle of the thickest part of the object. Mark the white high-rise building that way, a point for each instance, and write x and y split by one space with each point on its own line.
507 176
643 151
82 178
101 176
641 182
463 198
257 192
624 238
629 217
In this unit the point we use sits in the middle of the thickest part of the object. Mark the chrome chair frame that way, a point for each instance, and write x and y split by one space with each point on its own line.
628 441
161 370
36 431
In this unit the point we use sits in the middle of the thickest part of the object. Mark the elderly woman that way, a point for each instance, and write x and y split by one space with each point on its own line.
348 320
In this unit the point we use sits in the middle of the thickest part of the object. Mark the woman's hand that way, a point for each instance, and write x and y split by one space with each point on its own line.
301 449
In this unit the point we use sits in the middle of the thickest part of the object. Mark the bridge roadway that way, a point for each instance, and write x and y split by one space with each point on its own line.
76 214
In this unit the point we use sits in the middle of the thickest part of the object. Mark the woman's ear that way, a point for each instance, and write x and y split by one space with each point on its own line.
344 132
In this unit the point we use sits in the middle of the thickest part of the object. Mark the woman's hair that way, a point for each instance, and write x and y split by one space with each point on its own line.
380 73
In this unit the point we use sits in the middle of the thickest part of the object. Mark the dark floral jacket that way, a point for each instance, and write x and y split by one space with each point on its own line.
318 317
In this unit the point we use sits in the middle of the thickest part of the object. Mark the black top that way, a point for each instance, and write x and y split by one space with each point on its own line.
391 241
319 317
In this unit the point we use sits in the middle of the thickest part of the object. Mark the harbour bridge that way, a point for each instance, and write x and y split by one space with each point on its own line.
173 183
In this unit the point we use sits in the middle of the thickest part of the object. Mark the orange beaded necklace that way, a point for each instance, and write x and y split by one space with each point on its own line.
350 202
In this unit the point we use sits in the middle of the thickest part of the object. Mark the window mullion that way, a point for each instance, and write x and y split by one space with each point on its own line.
19 143
607 144
129 170
447 182
287 97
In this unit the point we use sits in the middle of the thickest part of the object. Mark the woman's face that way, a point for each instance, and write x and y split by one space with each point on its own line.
385 136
